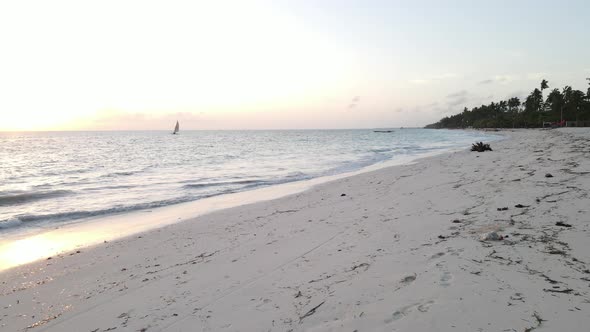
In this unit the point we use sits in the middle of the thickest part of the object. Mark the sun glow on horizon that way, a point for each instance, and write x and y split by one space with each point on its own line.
163 59
77 65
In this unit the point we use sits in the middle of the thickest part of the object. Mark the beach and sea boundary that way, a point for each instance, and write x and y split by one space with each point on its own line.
396 248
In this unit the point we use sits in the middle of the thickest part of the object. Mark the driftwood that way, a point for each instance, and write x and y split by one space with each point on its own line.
311 311
480 147
566 291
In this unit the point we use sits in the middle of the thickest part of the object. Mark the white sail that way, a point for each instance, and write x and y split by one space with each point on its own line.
176 128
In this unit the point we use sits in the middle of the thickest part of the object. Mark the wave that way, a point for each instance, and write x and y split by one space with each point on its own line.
19 220
158 174
382 150
22 197
30 219
223 183
106 187
68 172
248 184
10 223
120 173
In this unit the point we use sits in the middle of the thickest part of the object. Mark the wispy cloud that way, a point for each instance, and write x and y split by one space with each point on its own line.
457 94
508 78
505 78
434 78
445 76
502 79
354 102
457 98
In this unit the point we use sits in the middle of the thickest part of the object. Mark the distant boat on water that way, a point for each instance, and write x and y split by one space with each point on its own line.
176 128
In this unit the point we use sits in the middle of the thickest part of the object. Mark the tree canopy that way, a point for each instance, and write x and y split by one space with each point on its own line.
566 104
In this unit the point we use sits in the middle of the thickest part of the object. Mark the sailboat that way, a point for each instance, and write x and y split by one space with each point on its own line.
176 128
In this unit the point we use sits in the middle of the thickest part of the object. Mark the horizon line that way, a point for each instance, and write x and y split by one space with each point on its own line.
165 130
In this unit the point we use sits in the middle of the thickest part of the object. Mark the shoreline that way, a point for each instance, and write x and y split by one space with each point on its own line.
34 244
393 249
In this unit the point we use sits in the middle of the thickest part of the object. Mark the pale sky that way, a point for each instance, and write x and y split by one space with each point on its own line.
76 65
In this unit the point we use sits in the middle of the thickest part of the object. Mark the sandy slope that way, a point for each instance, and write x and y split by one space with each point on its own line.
387 256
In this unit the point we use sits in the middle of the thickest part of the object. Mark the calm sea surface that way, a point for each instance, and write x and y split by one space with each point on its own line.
55 177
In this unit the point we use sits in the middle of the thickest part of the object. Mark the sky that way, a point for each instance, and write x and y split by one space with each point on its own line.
138 65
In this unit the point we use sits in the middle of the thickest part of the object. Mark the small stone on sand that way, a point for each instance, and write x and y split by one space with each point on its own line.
490 236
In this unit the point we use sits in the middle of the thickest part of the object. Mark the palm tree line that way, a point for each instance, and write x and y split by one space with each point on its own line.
558 108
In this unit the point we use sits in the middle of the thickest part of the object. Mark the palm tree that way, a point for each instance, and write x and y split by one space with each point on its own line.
544 85
555 103
567 95
513 104
577 100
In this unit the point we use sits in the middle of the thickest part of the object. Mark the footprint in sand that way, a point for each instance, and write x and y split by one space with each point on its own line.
445 279
437 255
408 279
404 311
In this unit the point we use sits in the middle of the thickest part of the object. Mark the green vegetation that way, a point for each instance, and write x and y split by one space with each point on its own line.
567 105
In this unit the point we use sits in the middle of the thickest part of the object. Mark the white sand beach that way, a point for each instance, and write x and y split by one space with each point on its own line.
396 249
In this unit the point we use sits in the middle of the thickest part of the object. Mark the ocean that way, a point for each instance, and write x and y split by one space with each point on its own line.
51 178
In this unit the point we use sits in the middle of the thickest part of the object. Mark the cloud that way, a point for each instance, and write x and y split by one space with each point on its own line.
502 79
457 94
434 78
354 103
488 81
505 78
457 98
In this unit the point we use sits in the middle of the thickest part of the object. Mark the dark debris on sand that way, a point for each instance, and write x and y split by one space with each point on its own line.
562 224
480 147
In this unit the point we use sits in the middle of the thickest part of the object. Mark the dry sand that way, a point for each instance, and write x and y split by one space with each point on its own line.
391 250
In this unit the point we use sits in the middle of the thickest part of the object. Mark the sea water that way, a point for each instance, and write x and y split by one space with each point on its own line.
52 178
